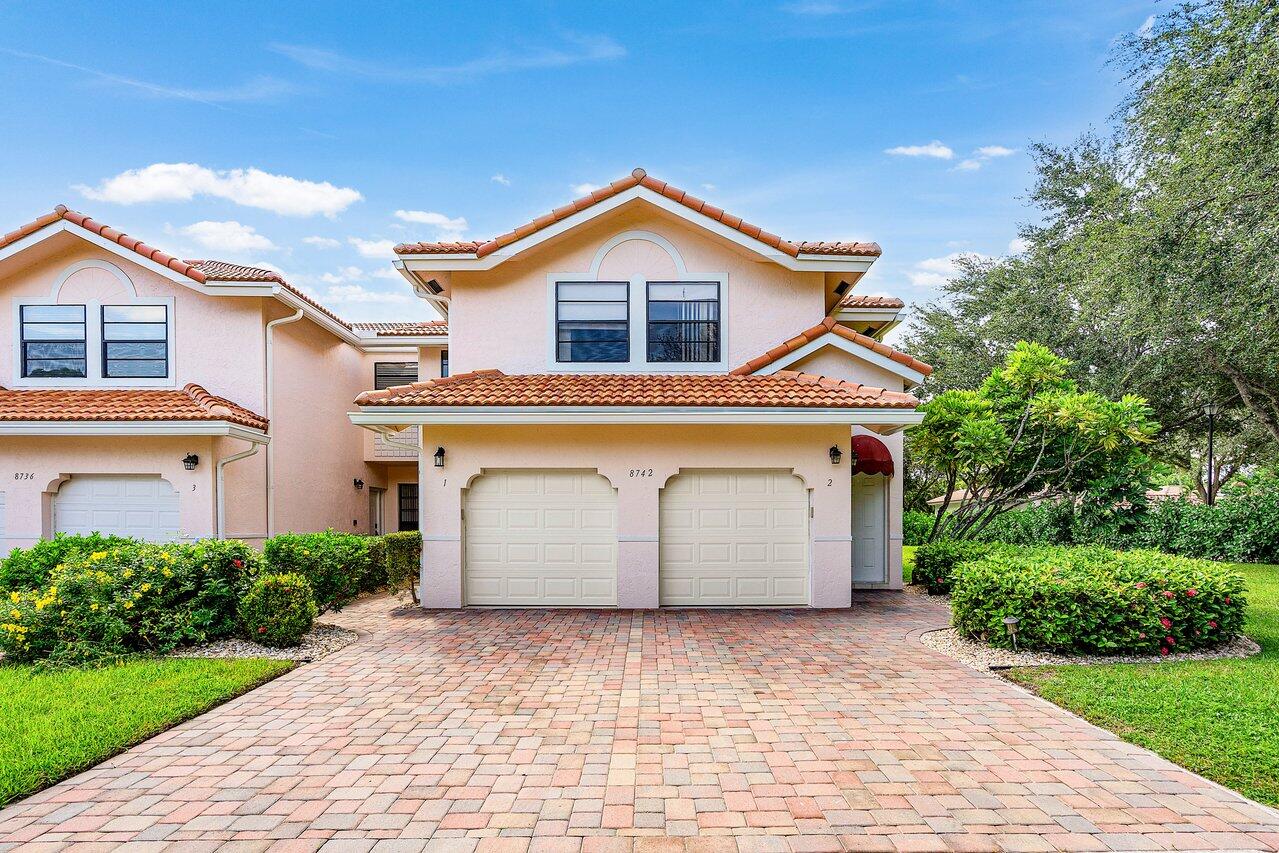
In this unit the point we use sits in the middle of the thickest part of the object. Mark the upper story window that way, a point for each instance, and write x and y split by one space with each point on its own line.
135 341
444 364
387 374
53 341
591 321
683 321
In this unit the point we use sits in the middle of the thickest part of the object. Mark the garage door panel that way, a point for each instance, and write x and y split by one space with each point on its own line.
748 543
541 538
142 506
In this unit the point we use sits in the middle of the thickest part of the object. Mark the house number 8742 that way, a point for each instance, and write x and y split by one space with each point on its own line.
641 472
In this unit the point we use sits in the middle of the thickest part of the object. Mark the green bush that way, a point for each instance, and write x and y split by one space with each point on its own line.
128 599
935 562
29 568
403 561
1095 600
374 577
278 610
916 526
335 564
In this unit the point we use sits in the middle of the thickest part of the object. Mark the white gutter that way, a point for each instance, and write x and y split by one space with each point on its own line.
221 497
270 396
57 428
399 417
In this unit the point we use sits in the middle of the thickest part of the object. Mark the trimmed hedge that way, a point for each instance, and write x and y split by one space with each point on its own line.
403 552
336 564
128 599
1099 601
278 610
935 562
29 568
916 526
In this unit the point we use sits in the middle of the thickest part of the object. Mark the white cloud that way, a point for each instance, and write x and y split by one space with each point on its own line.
322 242
1147 27
343 275
969 165
932 149
447 228
575 49
710 188
380 249
246 187
349 293
934 272
995 151
1018 245
499 178
584 188
228 236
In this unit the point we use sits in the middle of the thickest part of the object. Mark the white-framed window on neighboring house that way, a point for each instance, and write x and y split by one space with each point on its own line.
135 341
592 322
683 321
444 364
388 374
54 341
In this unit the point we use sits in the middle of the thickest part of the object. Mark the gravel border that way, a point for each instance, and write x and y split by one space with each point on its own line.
980 656
321 640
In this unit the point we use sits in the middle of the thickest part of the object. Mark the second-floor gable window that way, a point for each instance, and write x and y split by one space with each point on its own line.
387 374
135 341
683 321
53 341
591 321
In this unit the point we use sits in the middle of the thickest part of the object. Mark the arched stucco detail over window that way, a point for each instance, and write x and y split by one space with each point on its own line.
120 277
642 236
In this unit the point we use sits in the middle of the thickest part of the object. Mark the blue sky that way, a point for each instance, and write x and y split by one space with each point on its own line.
308 138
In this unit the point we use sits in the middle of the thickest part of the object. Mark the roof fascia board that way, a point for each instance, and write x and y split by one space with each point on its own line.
866 315
373 417
321 319
61 225
125 428
911 376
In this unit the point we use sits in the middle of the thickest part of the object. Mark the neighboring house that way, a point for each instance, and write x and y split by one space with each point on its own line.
173 400
636 400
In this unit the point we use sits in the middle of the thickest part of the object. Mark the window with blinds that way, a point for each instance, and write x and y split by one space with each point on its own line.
390 373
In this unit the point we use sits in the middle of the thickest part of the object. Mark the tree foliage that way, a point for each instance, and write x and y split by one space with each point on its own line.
1029 433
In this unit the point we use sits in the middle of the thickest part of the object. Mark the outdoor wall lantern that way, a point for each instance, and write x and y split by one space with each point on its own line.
1011 622
359 484
835 454
190 461
439 457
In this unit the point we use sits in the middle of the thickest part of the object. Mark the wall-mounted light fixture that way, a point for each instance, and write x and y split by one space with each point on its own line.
835 454
359 484
190 461
439 457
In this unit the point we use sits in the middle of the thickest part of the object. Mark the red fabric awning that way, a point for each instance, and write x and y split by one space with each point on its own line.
873 456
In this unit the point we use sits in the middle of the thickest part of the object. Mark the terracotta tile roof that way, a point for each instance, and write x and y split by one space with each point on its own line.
854 300
639 178
191 403
106 231
829 325
784 389
425 328
224 271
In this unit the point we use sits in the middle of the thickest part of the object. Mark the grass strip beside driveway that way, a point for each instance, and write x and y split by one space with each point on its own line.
1217 718
56 723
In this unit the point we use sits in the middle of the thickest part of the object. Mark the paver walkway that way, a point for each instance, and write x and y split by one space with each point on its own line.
568 730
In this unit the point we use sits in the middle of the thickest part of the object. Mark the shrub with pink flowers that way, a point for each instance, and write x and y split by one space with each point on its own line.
1094 600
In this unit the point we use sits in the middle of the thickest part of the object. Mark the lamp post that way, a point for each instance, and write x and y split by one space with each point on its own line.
1210 492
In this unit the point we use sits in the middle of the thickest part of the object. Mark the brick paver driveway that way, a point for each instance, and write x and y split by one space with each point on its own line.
567 730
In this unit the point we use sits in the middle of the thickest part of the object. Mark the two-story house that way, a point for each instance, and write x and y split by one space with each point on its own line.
637 400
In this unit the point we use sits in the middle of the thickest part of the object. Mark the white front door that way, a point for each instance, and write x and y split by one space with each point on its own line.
870 529
733 538
541 538
141 506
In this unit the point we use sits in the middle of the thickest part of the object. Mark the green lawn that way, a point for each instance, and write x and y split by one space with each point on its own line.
56 723
1218 718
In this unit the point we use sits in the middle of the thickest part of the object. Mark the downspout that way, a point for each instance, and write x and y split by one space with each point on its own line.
270 421
222 463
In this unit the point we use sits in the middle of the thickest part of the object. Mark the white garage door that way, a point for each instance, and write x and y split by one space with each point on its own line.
541 538
144 507
733 537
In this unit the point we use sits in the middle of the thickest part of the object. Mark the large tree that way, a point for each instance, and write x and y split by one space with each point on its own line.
1155 265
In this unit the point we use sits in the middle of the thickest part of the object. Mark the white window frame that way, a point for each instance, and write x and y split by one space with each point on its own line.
637 313
94 366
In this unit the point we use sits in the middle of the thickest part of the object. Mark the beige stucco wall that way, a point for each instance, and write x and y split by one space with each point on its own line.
614 451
